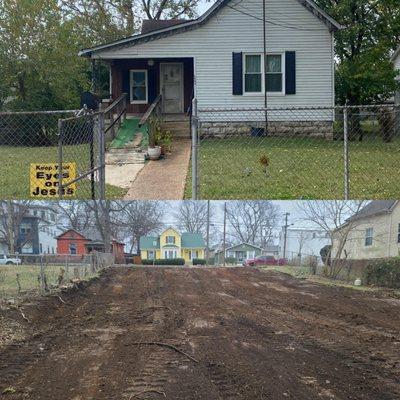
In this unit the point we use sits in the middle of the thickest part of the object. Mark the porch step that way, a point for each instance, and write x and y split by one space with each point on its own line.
125 156
177 128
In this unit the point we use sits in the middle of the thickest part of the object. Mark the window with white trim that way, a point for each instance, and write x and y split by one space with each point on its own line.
170 239
369 235
253 72
139 90
274 73
151 254
169 254
72 249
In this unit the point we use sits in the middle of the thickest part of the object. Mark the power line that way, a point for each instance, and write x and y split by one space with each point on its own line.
283 25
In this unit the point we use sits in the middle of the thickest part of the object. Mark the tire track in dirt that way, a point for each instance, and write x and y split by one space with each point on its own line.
256 335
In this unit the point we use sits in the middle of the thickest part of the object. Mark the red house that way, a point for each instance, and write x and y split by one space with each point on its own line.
73 242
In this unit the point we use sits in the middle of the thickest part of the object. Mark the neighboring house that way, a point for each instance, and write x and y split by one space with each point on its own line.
302 242
37 231
376 232
240 252
219 59
172 244
72 242
396 61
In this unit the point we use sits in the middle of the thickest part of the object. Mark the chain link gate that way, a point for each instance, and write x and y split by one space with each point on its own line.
298 152
81 156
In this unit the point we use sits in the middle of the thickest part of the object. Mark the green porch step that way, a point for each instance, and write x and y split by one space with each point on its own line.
127 132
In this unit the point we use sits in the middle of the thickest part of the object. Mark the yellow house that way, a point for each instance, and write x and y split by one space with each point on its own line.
172 244
374 233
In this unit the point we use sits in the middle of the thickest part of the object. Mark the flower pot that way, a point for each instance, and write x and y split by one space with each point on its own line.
154 152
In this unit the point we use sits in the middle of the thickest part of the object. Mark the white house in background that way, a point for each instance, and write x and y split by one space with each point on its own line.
376 232
396 61
304 241
39 230
219 59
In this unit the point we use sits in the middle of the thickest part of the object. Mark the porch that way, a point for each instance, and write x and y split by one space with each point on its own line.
144 79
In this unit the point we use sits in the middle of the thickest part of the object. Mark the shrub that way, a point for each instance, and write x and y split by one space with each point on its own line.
170 261
231 260
199 261
383 272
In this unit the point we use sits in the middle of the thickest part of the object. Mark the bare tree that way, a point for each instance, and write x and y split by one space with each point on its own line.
74 215
252 221
192 217
139 218
333 217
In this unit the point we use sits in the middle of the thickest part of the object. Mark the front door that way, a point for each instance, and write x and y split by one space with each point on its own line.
171 81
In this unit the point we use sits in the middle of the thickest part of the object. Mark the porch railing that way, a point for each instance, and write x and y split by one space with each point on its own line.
115 114
154 111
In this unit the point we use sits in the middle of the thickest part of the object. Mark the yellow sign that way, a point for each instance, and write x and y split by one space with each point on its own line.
45 180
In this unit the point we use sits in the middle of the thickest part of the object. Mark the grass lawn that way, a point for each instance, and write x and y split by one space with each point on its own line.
28 277
304 273
307 168
15 163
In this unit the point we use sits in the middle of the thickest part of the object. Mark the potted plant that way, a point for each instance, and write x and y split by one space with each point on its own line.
164 140
153 150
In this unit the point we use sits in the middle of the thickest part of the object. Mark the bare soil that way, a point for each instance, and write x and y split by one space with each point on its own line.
154 333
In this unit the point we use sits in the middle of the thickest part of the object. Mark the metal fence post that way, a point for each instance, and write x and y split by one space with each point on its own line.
102 161
194 122
60 157
346 152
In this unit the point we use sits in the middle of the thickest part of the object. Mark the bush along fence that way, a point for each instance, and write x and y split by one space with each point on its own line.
303 152
383 272
35 146
42 274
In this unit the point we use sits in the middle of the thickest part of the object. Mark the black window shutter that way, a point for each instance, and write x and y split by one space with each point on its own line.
290 62
152 83
237 74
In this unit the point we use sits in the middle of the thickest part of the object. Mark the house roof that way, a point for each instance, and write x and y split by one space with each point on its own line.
147 242
160 31
71 230
188 241
374 208
90 234
192 241
151 25
396 54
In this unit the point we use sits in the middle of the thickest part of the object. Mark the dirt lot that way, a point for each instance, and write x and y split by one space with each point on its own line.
237 334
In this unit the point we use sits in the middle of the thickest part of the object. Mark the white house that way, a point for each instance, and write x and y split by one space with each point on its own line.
219 59
396 61
374 233
302 242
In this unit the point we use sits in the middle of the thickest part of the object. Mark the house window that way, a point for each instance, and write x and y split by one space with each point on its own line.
168 254
274 73
170 239
253 73
151 255
190 255
72 249
398 234
369 233
139 86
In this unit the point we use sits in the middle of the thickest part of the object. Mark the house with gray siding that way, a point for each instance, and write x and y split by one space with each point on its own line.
218 59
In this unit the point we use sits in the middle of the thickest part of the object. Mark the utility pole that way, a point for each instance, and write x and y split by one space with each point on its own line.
224 239
208 233
285 233
265 65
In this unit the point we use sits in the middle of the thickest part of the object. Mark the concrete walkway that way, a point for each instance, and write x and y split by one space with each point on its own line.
163 179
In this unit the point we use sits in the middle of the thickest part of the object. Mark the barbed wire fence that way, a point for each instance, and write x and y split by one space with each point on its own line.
303 152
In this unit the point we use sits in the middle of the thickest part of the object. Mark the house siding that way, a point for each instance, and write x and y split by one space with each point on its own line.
230 31
385 238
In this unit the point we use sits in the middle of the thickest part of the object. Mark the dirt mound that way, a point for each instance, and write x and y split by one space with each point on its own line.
205 334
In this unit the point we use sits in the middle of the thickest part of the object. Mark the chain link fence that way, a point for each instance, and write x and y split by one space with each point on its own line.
81 154
23 275
302 153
